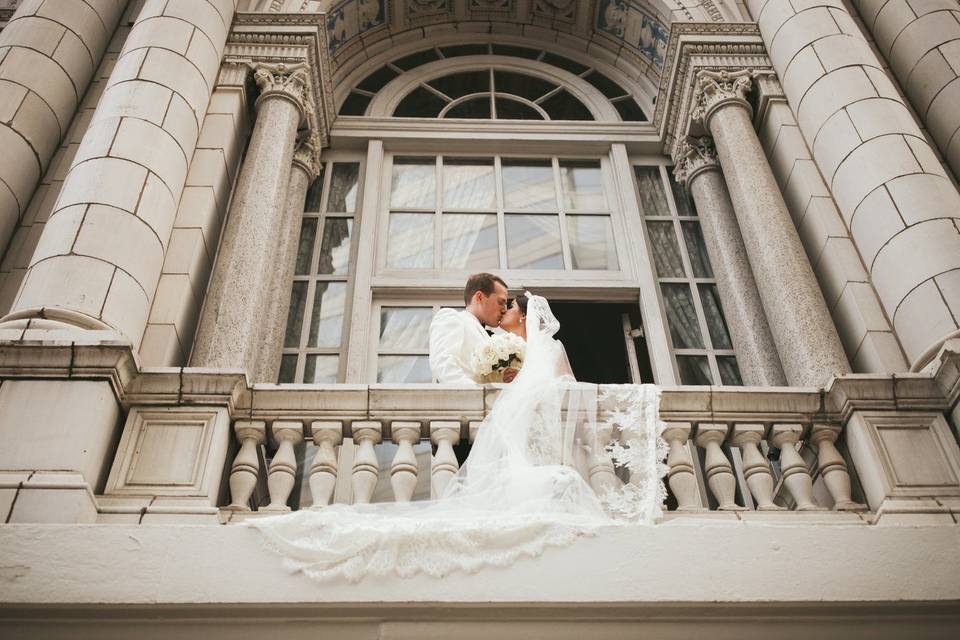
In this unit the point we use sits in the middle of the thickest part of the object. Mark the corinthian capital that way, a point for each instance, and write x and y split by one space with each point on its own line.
715 89
281 80
694 157
307 155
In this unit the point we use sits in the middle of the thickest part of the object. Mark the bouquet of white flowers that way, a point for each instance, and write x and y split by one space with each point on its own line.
502 351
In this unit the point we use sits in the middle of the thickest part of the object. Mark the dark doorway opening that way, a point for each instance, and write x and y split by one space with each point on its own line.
596 342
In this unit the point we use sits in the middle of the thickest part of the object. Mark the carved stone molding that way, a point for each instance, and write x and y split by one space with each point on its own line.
695 156
715 89
307 155
287 82
708 48
296 42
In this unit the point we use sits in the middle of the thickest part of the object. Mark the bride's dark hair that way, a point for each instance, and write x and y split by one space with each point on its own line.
521 303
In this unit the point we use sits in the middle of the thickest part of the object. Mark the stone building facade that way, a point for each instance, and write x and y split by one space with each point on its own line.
226 224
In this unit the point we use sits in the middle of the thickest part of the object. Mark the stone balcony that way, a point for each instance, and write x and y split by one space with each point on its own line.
860 507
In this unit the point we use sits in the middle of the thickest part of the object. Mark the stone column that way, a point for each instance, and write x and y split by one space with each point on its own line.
699 170
803 330
49 52
920 39
304 171
235 305
99 258
895 197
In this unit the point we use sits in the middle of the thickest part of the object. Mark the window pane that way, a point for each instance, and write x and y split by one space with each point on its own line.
420 103
468 184
606 86
729 371
470 241
563 106
288 368
355 104
694 370
630 111
565 63
582 185
414 183
343 187
401 369
298 300
326 322
591 243
335 247
528 184
416 59
508 109
321 369
680 197
666 251
653 201
713 312
682 317
696 249
464 50
312 204
377 80
410 241
516 52
458 85
477 108
405 327
308 233
533 242
529 87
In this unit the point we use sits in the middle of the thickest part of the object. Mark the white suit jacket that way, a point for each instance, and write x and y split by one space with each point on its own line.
453 337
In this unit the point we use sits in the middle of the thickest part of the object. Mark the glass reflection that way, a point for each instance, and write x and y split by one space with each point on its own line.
713 312
682 317
666 251
308 233
528 184
405 327
533 242
403 369
298 301
410 241
326 321
470 241
335 246
591 243
694 370
321 369
653 200
343 187
288 368
582 185
468 183
696 249
729 371
414 183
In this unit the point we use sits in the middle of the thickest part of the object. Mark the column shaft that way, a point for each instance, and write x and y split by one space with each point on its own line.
278 303
99 258
233 311
901 208
54 48
756 350
803 330
921 42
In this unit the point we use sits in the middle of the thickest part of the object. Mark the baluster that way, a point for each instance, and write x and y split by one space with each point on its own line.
403 470
681 477
796 476
246 466
365 466
444 434
602 473
283 467
323 472
719 471
756 469
833 467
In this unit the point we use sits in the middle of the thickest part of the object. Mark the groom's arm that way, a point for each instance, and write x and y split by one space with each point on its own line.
446 342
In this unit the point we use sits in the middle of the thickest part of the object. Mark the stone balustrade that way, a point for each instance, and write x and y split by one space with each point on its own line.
206 446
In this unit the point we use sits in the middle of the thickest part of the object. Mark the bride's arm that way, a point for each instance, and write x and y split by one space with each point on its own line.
564 370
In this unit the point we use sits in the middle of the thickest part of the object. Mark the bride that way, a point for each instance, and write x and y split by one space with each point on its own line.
538 475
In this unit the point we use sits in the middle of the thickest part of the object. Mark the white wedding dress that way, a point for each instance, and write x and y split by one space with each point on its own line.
525 486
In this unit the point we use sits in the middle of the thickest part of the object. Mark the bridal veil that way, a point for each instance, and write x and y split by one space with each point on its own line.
553 460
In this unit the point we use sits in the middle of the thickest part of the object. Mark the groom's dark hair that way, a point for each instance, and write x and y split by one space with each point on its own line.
484 282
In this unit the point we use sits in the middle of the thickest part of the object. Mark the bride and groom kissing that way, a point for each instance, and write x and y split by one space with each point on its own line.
457 337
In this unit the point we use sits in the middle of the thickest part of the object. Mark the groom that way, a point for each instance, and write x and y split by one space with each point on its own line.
454 335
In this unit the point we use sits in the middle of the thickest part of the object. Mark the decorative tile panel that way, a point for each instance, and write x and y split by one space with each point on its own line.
628 21
351 18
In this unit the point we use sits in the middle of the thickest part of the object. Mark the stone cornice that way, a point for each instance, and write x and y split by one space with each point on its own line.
289 39
696 47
